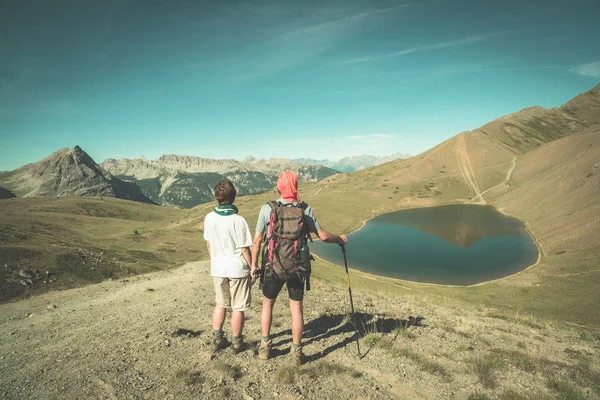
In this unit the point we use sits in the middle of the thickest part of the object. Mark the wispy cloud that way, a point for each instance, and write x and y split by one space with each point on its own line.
591 69
435 46
373 136
450 70
335 23
311 37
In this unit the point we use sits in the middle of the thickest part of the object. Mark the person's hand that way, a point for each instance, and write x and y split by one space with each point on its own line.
254 272
343 240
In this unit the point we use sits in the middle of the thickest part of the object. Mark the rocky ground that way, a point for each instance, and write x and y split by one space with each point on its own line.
148 337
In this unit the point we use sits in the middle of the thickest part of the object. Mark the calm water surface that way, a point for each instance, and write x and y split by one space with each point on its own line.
454 245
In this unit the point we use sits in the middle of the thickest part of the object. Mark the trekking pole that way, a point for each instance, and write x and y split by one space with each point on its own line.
351 302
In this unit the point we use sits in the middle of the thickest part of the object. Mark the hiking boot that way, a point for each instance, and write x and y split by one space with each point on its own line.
264 350
238 345
297 355
217 343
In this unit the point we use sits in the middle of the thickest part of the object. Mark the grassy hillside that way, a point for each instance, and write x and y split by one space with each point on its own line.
50 243
537 165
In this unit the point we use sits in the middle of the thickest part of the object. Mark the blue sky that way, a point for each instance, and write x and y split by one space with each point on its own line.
279 78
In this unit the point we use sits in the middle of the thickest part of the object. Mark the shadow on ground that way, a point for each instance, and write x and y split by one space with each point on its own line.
329 326
186 333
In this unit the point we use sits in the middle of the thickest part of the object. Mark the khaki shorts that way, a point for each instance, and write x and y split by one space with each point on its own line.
233 293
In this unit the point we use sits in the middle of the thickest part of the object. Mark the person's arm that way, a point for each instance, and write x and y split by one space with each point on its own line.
206 234
313 226
244 240
261 227
247 255
331 238
256 243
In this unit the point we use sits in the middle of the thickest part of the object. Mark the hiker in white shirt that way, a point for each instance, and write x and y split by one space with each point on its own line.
228 241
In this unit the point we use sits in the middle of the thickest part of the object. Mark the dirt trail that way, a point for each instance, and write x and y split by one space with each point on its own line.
466 169
512 168
506 178
149 337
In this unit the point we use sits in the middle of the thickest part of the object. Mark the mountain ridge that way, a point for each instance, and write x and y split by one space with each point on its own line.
353 163
67 172
186 181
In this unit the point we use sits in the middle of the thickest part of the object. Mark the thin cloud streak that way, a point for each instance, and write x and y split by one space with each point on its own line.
472 70
436 46
297 45
311 29
592 69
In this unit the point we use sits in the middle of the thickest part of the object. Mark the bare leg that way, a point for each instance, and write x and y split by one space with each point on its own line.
218 317
266 316
297 321
237 322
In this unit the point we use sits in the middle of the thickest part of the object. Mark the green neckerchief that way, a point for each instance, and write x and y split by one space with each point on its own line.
226 210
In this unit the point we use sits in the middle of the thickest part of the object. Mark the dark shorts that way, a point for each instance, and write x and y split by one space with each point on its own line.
272 286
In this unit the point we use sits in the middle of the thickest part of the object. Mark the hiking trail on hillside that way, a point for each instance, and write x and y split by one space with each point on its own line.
504 182
466 169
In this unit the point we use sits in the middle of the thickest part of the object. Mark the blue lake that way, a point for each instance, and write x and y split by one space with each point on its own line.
453 245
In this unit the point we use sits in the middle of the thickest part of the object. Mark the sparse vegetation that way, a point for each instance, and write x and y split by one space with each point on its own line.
478 396
449 327
425 364
589 336
190 377
403 332
514 395
565 389
286 374
289 373
372 339
229 370
519 319
484 367
519 359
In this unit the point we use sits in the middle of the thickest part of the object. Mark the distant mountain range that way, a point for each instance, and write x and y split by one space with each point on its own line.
354 163
185 181
171 180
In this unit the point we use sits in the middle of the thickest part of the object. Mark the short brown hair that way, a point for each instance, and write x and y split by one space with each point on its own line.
225 192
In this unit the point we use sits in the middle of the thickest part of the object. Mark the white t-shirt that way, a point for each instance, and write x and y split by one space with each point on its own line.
227 234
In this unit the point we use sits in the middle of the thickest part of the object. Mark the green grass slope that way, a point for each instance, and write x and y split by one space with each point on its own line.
48 244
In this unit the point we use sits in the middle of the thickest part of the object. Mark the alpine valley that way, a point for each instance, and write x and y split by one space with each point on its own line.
111 298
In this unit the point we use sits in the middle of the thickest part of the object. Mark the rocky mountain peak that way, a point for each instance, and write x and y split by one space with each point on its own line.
67 172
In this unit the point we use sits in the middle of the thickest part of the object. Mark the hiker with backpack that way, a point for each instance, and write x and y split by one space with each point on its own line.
228 241
285 225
